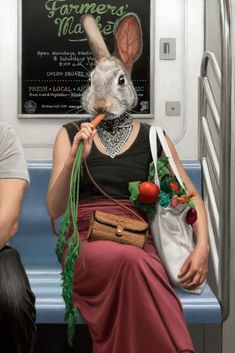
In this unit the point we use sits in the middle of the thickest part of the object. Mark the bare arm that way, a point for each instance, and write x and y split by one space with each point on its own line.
63 158
195 267
11 197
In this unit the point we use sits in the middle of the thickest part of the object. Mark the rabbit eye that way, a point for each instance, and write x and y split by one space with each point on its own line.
121 80
89 81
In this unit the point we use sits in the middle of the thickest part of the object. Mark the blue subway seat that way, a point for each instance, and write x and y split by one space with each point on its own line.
36 243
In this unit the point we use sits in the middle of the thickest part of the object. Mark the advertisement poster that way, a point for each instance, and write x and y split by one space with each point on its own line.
55 57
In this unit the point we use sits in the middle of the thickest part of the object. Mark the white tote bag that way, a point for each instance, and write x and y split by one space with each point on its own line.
172 235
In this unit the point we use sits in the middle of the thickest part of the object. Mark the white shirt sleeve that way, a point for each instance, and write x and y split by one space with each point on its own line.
12 160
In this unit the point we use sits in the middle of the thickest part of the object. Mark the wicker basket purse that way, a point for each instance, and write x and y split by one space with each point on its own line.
106 226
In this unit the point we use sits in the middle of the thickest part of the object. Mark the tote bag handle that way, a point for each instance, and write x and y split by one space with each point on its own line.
156 130
153 147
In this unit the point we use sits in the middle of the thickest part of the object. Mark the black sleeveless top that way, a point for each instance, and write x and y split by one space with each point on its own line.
114 174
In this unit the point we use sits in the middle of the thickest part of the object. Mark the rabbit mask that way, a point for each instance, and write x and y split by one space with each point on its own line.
111 90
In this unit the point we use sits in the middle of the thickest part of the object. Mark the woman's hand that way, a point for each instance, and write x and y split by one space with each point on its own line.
86 133
194 270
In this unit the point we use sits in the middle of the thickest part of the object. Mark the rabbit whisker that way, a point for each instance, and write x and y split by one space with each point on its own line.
78 110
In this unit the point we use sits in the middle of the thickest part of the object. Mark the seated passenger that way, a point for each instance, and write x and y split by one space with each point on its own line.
17 302
122 291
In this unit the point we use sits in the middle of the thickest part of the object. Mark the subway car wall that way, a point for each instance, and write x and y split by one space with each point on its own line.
184 83
171 80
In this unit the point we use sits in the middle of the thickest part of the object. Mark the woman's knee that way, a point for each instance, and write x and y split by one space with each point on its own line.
133 256
108 254
129 256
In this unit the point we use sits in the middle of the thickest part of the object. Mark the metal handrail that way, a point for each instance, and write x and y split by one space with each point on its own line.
204 86
212 103
223 78
207 57
206 97
211 148
211 196
225 156
214 252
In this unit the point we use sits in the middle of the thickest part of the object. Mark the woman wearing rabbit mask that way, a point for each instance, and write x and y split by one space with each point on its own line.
122 291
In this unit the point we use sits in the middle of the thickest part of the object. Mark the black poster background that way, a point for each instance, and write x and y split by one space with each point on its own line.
56 60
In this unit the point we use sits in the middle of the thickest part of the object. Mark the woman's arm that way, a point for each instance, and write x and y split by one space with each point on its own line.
63 158
195 268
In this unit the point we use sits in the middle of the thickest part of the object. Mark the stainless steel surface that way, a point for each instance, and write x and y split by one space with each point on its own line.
228 326
211 148
207 152
211 102
223 125
210 195
209 57
225 155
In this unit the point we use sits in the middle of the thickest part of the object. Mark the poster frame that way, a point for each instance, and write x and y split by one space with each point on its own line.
151 115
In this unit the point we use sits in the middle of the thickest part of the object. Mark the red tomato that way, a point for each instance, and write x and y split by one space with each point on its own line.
148 192
175 186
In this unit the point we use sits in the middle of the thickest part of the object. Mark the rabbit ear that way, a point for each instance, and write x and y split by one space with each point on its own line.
128 40
95 39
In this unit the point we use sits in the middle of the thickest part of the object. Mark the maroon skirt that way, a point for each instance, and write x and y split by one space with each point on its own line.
124 293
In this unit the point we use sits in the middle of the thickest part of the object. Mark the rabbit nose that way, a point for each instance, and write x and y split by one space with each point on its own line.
101 108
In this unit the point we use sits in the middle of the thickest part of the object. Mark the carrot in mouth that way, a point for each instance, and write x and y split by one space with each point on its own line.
97 119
